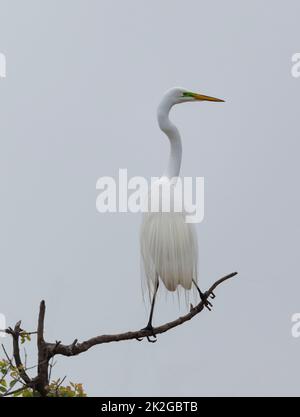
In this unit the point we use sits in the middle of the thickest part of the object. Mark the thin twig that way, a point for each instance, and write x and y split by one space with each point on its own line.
51 366
4 375
7 356
58 385
14 392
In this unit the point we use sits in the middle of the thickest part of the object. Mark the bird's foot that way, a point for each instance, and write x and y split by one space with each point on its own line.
204 298
149 328
212 296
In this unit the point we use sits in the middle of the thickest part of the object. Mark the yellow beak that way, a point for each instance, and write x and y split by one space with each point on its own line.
201 97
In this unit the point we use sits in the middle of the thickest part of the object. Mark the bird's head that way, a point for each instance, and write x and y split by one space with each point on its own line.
179 95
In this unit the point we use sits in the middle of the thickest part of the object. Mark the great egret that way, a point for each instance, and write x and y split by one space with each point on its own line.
169 248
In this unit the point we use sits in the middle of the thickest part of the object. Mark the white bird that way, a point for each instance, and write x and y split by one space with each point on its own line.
169 249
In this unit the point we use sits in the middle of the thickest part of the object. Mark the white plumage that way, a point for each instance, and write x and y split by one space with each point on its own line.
169 250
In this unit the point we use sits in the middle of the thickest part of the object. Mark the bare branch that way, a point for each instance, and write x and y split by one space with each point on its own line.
77 348
15 333
42 381
41 320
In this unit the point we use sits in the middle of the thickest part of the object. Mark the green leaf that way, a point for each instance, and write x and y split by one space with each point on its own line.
3 383
27 393
13 383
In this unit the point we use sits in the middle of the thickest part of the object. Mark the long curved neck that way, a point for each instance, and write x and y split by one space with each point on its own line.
173 167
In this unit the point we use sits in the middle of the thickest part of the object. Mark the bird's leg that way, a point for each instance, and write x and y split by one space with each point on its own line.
149 325
203 297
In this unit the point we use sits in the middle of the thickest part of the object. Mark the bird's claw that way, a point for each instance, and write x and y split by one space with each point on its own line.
148 328
205 301
152 340
212 296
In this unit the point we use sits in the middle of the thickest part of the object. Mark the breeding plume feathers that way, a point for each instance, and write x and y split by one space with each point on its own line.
169 250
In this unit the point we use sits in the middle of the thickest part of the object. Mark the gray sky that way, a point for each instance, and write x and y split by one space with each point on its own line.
79 101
